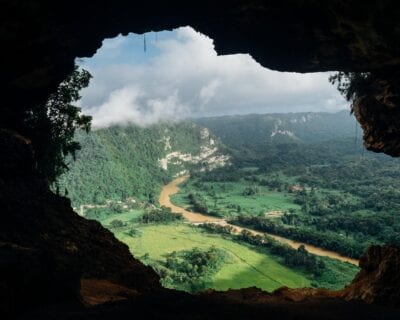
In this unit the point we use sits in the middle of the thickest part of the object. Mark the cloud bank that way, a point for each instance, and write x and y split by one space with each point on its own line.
181 75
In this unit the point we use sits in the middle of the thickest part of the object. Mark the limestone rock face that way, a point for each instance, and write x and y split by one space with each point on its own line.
379 278
378 112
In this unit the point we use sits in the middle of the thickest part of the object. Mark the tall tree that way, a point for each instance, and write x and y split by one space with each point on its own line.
51 126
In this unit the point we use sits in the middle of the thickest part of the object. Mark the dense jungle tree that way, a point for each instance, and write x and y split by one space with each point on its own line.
52 125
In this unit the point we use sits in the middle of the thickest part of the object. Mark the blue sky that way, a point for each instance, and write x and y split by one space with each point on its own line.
181 76
127 50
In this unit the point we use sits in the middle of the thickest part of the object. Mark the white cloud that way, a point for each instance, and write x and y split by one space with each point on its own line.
209 91
185 77
128 104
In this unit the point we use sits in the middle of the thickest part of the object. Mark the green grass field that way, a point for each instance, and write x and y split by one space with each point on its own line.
246 267
124 217
230 195
225 197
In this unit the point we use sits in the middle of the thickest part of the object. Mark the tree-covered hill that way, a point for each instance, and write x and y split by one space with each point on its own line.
120 162
261 129
271 140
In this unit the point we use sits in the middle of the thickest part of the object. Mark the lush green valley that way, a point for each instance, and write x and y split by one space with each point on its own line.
343 203
304 177
120 162
195 258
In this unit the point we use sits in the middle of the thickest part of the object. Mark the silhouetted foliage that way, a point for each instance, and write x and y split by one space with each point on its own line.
351 84
51 126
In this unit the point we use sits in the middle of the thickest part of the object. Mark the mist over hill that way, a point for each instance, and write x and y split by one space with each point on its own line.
260 129
273 140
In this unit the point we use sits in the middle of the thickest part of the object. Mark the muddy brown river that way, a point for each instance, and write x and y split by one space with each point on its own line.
198 218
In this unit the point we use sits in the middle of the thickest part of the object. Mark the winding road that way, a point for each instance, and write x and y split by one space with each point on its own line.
198 218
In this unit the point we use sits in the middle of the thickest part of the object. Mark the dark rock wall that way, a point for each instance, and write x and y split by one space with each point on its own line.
45 247
41 39
379 278
379 115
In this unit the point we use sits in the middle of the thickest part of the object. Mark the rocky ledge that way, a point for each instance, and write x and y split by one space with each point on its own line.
55 264
46 249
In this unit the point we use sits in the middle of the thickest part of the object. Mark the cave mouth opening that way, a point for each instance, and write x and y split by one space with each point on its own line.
148 88
49 250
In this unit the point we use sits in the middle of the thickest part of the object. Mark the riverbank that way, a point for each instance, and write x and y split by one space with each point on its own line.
198 218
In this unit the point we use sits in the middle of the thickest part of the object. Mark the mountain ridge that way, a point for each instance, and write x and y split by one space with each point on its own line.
125 161
281 127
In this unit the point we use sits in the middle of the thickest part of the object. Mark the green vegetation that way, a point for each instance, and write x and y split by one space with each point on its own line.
301 176
352 84
328 240
192 269
229 199
322 271
342 207
199 204
329 192
126 217
51 126
192 258
119 162
291 257
254 131
161 215
244 266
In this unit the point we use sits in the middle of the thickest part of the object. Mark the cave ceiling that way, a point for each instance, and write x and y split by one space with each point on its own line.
41 39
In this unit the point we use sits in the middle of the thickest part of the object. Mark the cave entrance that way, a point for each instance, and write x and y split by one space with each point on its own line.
220 173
